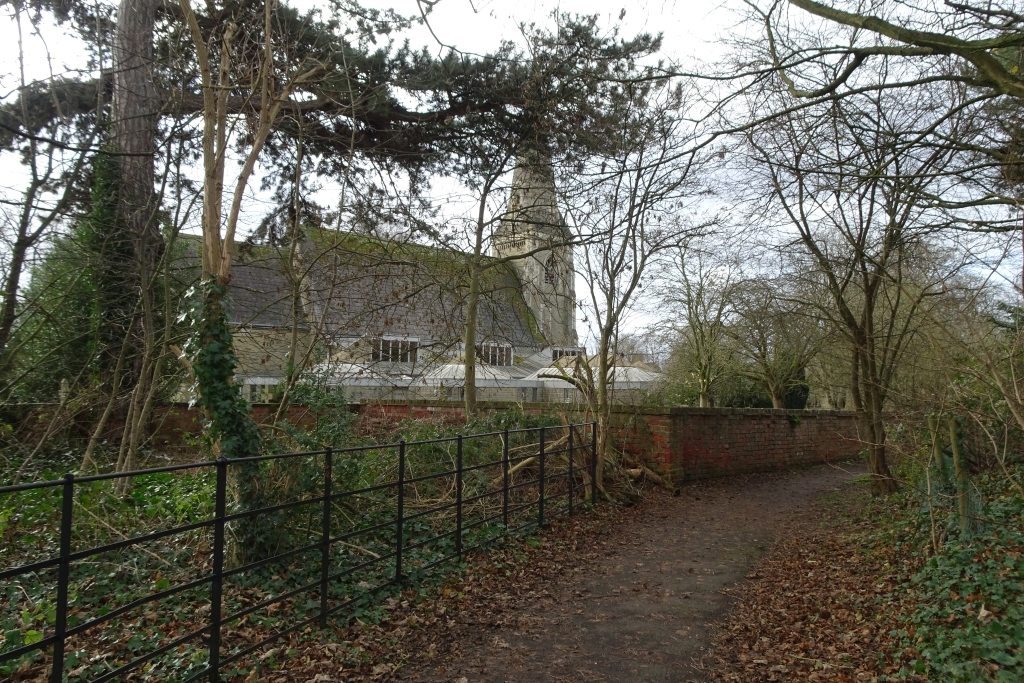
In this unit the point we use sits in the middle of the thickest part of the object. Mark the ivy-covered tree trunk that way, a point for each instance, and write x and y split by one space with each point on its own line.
231 429
110 253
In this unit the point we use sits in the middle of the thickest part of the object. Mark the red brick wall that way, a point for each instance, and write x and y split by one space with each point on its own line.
682 443
702 443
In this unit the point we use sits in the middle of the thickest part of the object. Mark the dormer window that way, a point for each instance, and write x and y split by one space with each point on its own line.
393 349
557 353
495 354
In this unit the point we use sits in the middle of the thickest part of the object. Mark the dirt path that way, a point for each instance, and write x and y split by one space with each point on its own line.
644 608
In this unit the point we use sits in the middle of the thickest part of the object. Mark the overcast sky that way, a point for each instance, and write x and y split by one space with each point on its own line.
689 26
690 29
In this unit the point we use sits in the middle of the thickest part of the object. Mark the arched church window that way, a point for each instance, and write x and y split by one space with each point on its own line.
551 270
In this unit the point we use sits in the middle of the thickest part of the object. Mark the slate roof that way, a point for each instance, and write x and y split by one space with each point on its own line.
358 286
261 291
363 286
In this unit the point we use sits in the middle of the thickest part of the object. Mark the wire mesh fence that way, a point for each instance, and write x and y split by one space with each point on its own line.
203 588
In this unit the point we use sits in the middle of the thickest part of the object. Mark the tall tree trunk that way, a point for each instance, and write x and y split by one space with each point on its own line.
476 268
134 116
469 337
880 474
867 403
604 406
135 110
296 277
10 308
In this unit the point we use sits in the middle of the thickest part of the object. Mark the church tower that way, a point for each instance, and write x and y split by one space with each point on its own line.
533 225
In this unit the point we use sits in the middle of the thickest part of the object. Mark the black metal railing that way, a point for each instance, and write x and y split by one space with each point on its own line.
416 514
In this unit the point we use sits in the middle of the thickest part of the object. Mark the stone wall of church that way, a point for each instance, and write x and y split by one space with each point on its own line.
265 351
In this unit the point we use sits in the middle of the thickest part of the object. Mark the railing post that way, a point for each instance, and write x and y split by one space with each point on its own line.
593 463
63 577
571 473
400 519
458 498
216 584
504 479
325 537
540 483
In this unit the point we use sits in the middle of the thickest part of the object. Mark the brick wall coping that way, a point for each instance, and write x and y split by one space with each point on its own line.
767 412
625 409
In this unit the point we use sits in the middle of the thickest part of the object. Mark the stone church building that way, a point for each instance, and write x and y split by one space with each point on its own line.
379 319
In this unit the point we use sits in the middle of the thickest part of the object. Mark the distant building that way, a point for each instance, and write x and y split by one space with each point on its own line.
384 320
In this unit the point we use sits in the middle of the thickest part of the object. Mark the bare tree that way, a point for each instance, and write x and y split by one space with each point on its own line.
775 333
700 287
849 185
54 160
985 36
637 200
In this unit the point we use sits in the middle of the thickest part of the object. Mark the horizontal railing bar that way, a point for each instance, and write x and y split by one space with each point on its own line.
493 463
14 488
436 563
368 489
428 442
482 435
277 636
473 499
521 527
139 473
484 543
235 516
135 604
205 673
135 663
360 532
449 473
25 649
428 477
275 558
29 568
428 541
521 458
274 456
483 521
524 506
137 540
428 511
524 483
270 601
362 565
338 608
522 430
